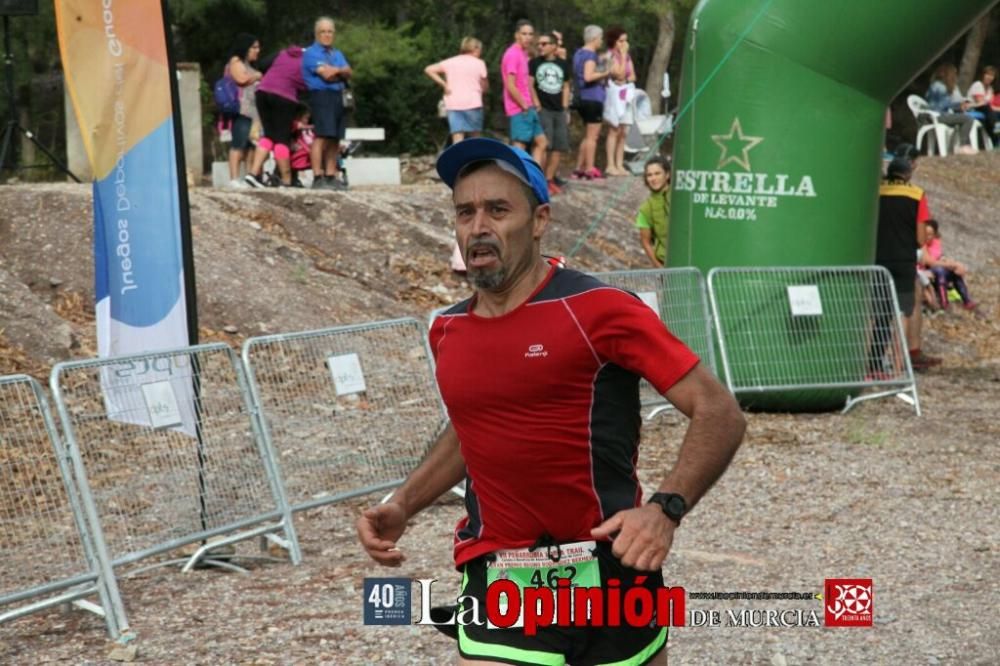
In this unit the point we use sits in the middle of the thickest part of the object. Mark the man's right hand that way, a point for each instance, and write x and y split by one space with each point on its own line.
378 530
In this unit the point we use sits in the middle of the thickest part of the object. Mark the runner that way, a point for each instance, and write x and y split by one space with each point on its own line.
540 372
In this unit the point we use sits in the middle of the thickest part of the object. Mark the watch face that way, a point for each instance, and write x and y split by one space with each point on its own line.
675 506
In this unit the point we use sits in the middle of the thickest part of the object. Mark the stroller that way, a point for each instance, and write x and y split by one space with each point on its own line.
644 135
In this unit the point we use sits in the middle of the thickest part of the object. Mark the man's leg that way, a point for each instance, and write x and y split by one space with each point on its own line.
316 157
552 164
914 332
538 151
330 153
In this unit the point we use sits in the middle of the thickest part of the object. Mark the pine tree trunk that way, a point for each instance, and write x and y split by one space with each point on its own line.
661 55
973 49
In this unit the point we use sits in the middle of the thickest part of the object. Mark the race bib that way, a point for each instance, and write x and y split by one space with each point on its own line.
540 568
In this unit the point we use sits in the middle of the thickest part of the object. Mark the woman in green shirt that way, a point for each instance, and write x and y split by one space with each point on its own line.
653 219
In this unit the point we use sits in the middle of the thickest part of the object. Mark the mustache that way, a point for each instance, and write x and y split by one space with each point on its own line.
484 244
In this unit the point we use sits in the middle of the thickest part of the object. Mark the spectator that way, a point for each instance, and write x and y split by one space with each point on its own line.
278 105
946 271
550 93
560 49
943 96
525 127
617 110
653 220
915 325
980 97
895 249
463 79
589 80
245 51
326 71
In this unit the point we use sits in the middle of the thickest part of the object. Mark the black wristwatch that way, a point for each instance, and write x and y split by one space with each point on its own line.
673 505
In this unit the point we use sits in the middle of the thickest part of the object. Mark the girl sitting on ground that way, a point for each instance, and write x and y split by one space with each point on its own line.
946 271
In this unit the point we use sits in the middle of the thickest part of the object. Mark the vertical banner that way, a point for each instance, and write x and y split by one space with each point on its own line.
116 60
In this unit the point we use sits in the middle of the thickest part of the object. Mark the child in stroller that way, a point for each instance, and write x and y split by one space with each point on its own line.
302 139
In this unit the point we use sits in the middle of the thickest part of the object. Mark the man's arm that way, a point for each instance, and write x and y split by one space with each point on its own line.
534 93
332 72
338 69
713 435
511 82
381 526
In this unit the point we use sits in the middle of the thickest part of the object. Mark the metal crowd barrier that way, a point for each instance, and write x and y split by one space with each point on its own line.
171 455
49 557
679 297
348 410
800 329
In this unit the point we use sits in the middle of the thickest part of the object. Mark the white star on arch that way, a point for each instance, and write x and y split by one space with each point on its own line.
743 146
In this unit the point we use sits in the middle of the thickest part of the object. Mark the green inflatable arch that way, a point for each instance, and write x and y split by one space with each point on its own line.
777 152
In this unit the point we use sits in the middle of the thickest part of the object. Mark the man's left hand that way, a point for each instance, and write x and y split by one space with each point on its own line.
644 536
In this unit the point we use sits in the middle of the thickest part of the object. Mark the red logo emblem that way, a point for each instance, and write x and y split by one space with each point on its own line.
847 602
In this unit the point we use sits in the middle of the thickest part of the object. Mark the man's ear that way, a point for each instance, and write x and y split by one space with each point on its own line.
540 220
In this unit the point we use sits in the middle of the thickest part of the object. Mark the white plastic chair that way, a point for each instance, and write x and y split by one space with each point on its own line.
978 129
927 123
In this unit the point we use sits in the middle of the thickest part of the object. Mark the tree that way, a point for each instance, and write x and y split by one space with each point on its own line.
973 50
666 29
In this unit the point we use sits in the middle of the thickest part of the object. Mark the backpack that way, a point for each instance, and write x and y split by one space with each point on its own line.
227 96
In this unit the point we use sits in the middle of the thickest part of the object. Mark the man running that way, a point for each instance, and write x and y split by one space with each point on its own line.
540 373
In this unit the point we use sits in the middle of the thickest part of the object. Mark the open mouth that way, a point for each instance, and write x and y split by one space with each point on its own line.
482 255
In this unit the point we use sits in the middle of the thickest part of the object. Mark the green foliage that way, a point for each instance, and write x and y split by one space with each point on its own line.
387 42
389 83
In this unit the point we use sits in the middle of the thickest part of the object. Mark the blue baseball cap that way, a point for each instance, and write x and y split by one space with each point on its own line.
451 162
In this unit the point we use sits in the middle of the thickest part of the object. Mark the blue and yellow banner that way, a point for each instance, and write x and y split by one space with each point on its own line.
117 69
114 55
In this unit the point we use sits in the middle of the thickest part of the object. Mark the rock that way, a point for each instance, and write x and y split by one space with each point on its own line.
778 659
124 653
54 282
229 328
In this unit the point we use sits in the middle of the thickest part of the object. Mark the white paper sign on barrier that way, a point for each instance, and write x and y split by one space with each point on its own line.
161 404
651 299
804 300
347 374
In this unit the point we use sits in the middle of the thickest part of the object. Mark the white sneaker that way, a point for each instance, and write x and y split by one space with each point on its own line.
238 184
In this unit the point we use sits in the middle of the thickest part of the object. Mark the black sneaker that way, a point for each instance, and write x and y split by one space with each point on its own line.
319 183
254 181
561 182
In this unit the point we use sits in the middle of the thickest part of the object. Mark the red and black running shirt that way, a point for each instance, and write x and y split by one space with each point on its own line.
545 402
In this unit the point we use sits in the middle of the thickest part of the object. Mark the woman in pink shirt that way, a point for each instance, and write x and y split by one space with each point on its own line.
622 75
463 79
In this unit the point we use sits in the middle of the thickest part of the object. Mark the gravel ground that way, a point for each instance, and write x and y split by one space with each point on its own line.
879 493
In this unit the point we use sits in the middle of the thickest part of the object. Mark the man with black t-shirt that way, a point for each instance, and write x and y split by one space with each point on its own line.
550 92
540 373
